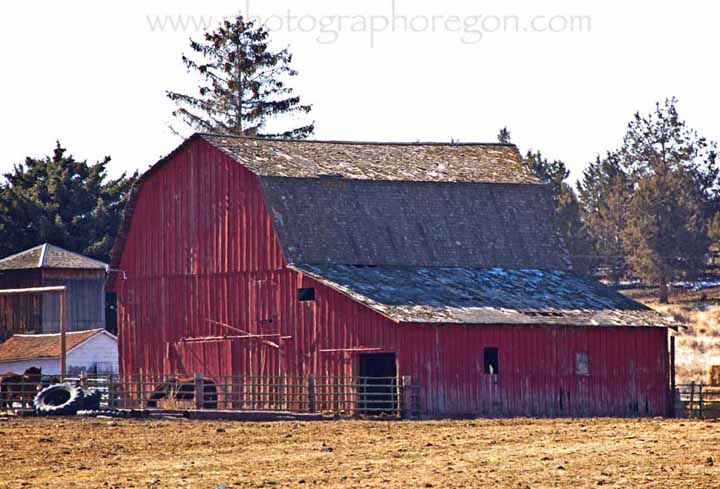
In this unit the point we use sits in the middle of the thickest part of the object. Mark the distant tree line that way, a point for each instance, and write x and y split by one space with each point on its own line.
648 209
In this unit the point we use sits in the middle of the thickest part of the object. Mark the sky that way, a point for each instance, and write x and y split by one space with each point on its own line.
564 76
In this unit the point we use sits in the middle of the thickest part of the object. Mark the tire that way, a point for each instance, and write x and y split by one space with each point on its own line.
91 400
58 400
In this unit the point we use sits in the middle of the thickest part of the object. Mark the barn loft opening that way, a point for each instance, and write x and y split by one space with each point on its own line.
306 295
491 361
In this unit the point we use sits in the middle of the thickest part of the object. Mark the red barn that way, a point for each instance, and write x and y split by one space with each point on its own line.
436 261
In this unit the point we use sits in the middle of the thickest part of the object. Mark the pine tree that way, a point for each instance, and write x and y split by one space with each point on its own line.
243 84
604 193
675 181
504 136
666 232
62 201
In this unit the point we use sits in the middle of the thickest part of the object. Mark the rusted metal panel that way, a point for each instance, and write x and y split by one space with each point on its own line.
201 247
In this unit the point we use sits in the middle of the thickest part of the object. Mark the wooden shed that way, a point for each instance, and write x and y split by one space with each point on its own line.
437 261
44 266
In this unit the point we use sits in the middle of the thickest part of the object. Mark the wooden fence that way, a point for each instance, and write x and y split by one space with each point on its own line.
386 396
697 400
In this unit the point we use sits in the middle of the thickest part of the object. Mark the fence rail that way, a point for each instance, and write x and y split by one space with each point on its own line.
697 400
343 396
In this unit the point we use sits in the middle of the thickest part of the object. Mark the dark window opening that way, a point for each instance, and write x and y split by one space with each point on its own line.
305 295
582 363
491 361
378 380
111 312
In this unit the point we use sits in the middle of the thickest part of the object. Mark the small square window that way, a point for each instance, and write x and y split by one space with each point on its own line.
582 363
491 361
305 295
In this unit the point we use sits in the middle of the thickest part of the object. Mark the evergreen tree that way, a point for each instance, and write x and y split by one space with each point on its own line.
666 232
604 193
243 84
675 181
62 201
504 136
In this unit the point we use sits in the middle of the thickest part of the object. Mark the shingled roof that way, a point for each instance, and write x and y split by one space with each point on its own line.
49 256
32 347
392 223
484 296
416 162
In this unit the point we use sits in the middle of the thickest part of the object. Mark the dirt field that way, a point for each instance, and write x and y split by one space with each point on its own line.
105 453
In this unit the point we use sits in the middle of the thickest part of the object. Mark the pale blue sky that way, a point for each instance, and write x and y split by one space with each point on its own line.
93 74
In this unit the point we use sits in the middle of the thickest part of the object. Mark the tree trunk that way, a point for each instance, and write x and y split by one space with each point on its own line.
663 291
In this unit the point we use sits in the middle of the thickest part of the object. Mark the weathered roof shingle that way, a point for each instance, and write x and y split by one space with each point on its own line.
417 162
484 296
391 223
49 256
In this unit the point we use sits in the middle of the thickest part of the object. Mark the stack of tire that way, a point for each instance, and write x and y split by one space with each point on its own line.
65 400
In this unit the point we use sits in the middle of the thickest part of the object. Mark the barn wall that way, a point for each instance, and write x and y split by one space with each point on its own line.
85 300
201 247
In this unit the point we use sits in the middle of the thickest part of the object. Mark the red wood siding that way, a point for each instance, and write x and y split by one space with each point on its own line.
201 246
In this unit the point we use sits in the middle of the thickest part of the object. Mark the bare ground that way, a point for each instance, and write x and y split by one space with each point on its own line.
517 453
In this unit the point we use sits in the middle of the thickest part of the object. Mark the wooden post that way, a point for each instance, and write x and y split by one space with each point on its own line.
701 400
672 412
199 392
63 344
139 390
311 393
692 398
111 393
407 396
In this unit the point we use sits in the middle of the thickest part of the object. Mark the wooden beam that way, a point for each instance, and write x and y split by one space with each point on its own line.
335 350
63 343
241 331
34 291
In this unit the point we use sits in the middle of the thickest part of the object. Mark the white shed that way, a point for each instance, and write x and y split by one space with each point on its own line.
93 351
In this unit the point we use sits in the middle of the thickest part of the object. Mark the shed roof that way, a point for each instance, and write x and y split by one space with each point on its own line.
32 347
417 162
484 296
50 256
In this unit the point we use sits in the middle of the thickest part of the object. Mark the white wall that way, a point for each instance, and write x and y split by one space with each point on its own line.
49 366
100 350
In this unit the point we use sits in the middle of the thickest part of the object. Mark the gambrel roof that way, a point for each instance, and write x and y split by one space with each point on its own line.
422 232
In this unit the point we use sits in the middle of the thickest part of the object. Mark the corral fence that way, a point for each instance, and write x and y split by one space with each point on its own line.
697 400
338 396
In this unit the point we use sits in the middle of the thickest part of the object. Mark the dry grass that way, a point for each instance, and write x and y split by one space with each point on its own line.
698 340
517 453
